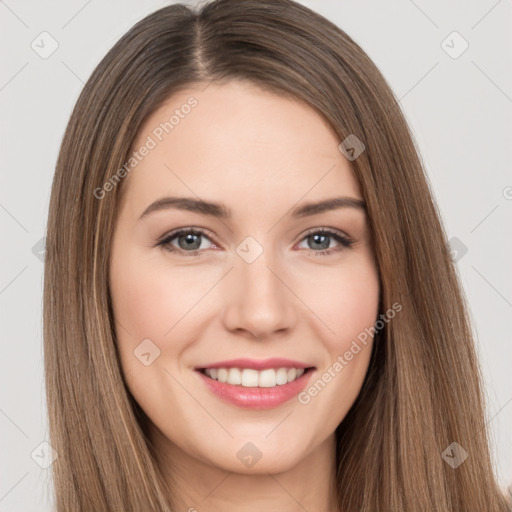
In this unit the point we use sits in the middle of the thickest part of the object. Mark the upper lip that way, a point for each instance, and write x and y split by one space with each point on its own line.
262 364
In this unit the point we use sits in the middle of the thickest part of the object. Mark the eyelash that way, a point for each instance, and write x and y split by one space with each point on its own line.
344 241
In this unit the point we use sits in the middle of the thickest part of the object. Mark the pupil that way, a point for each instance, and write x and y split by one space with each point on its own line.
190 241
325 244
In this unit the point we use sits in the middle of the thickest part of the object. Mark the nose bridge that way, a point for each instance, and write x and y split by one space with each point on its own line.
259 300
259 278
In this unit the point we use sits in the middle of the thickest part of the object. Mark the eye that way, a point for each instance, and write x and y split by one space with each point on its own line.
188 240
322 238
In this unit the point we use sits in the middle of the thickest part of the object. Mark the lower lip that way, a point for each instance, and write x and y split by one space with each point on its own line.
256 397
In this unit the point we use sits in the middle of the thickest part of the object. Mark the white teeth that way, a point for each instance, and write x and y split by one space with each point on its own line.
267 379
253 378
281 376
234 376
249 378
222 375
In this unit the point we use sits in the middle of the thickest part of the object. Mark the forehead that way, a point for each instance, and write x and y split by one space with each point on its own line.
240 143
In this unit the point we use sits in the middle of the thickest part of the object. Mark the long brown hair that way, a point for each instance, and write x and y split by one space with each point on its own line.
423 387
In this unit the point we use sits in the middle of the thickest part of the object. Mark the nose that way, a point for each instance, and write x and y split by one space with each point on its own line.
259 301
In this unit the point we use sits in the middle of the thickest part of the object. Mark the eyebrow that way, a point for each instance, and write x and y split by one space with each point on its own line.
222 212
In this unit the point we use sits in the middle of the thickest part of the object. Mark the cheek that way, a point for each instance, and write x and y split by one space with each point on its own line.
351 314
349 307
153 302
146 308
346 300
150 300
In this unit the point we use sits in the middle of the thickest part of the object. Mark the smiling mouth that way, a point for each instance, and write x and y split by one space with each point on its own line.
248 377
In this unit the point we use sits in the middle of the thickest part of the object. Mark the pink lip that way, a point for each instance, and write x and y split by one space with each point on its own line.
275 362
256 397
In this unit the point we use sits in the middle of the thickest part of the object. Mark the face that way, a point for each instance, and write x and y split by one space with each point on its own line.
285 289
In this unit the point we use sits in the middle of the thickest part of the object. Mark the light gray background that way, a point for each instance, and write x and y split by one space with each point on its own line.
459 110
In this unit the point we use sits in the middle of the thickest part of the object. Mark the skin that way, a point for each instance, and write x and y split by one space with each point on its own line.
261 155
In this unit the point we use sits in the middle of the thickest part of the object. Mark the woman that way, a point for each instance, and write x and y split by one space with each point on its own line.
249 299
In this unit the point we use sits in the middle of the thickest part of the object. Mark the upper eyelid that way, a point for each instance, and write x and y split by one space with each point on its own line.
335 231
176 232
